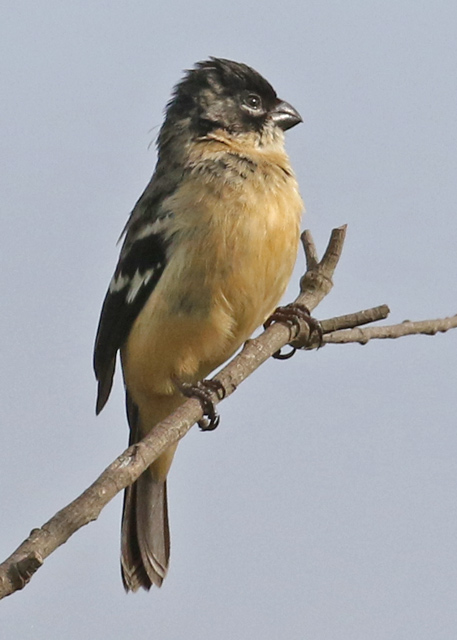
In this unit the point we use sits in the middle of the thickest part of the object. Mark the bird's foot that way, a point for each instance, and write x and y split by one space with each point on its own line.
293 314
203 391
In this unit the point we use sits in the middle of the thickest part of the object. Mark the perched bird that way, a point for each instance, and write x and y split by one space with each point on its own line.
208 251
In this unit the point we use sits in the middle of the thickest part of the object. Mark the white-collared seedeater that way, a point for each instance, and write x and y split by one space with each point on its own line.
208 251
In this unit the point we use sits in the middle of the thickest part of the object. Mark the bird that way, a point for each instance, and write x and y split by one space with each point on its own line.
207 253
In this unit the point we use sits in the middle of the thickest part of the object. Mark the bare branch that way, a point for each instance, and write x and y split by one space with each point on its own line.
18 569
406 328
316 283
355 319
311 255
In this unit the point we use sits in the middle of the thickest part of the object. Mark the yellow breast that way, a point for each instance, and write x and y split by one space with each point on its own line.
234 248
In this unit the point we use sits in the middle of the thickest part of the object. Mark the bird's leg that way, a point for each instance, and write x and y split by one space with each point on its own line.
202 391
292 314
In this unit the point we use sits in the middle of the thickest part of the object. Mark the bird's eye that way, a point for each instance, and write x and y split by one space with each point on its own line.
253 101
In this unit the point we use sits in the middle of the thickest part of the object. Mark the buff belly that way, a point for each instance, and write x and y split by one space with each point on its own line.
232 258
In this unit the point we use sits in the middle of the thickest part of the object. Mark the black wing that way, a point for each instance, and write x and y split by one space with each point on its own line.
141 263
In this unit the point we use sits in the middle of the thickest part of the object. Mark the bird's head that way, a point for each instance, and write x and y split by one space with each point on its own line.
229 97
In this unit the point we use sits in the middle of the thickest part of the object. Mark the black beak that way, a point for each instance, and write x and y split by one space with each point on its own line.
285 116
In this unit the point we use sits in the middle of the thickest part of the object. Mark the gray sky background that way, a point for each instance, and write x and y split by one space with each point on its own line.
324 506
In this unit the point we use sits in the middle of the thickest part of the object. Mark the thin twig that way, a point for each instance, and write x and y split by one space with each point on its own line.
406 328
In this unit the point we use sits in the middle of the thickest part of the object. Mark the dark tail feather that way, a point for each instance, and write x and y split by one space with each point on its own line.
145 537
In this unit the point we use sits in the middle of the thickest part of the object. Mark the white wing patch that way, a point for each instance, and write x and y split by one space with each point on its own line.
153 228
135 284
117 284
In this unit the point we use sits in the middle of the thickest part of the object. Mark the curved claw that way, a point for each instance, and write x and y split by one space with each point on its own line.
209 423
278 355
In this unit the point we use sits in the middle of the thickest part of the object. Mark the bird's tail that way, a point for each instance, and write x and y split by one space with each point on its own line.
145 534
